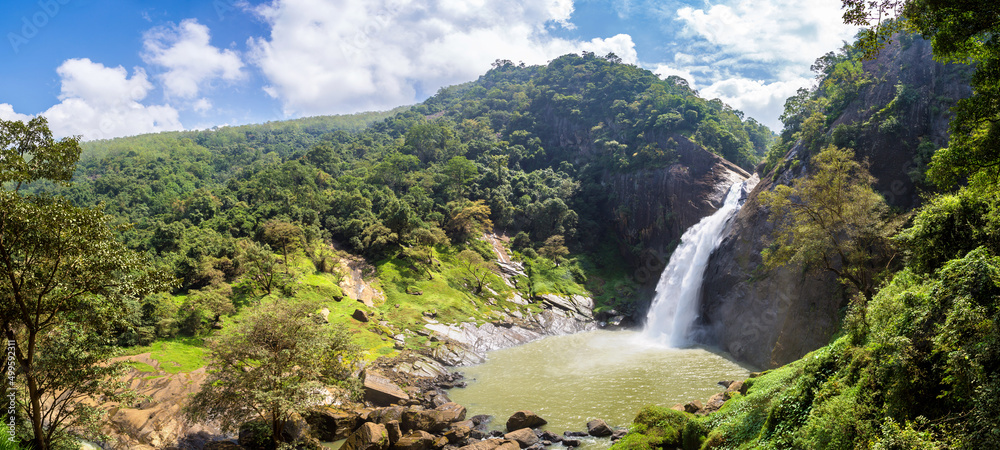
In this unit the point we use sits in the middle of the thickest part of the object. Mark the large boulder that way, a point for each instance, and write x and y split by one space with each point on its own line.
370 436
387 414
416 440
451 411
598 428
381 391
458 434
331 424
524 419
524 437
433 420
493 444
577 306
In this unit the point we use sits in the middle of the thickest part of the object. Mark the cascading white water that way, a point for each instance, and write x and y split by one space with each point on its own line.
675 306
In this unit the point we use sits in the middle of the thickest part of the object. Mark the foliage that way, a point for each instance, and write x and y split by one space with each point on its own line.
68 284
959 31
271 364
475 268
832 220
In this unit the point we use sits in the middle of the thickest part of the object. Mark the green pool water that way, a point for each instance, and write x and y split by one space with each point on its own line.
610 375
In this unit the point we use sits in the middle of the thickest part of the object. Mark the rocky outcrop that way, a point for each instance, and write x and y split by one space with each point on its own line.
370 436
772 318
467 343
764 319
652 208
381 391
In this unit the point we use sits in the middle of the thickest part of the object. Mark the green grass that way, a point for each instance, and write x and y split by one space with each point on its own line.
142 367
182 354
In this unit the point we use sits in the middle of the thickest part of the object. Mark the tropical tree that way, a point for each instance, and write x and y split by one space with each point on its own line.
475 268
67 283
832 220
272 364
283 235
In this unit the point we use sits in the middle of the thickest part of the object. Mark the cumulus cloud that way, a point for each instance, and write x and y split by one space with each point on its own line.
7 113
99 102
190 60
758 99
327 57
771 31
775 40
664 71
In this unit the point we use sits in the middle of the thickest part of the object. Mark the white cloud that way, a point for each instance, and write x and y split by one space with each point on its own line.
758 99
101 102
663 71
190 60
7 113
775 40
202 105
773 30
333 57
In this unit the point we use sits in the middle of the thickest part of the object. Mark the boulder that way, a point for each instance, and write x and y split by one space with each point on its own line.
577 306
458 435
571 442
395 433
492 444
370 436
381 391
416 440
678 407
693 407
360 315
715 402
524 419
331 424
550 436
598 428
736 386
386 415
432 421
524 437
618 434
575 434
453 412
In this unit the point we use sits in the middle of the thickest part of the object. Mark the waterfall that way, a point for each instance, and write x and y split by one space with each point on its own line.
675 306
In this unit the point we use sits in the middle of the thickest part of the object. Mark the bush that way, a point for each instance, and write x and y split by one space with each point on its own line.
693 435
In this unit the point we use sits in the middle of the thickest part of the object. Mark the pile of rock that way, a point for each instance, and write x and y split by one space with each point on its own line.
445 427
716 401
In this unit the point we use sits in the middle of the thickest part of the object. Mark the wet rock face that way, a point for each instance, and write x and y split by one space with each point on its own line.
653 207
764 319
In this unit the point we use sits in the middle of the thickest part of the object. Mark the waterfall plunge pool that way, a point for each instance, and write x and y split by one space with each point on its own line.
610 375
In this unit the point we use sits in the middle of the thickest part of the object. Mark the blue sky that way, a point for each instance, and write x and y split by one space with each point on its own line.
103 69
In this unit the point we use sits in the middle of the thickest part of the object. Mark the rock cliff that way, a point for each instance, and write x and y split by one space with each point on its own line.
652 208
770 319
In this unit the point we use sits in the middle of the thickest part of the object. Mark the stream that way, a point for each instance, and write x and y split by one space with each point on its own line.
610 375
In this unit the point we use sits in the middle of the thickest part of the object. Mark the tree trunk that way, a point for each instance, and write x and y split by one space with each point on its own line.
34 397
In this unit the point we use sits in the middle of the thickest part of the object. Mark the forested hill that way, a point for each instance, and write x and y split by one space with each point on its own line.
522 149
